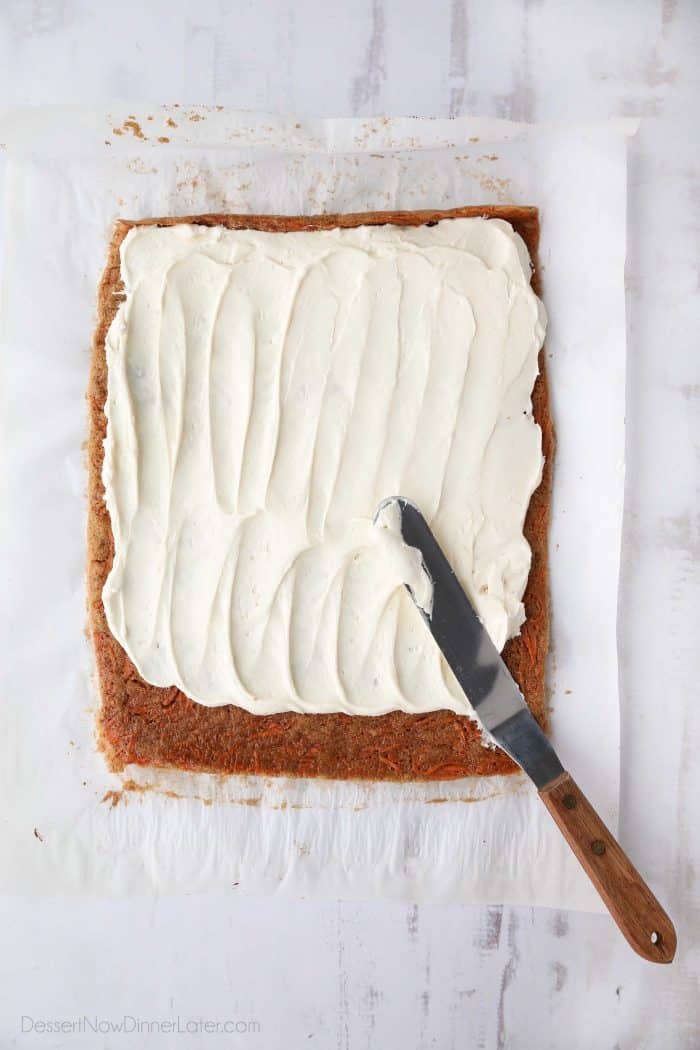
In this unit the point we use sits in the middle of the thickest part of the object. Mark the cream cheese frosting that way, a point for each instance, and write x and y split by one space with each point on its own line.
266 391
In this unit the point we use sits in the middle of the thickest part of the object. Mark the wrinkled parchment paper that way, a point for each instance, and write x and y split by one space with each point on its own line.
70 825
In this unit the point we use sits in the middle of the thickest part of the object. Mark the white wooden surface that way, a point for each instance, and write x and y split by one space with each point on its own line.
381 975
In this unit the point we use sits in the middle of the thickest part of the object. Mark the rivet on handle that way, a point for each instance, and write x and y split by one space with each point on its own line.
598 847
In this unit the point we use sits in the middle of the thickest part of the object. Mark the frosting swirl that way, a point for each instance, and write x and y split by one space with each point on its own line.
265 392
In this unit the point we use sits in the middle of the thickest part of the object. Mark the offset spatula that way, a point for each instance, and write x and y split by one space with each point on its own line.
499 705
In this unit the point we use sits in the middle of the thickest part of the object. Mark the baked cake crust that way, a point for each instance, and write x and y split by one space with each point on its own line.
151 726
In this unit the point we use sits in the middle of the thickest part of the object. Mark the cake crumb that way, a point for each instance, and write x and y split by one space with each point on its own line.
134 127
113 797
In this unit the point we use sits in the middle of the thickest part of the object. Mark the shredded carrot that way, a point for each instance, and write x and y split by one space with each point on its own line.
530 643
274 729
446 770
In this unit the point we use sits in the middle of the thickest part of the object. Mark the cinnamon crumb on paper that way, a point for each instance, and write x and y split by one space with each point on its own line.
134 127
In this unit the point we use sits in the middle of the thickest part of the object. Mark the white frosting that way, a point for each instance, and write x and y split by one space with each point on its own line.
266 392
388 516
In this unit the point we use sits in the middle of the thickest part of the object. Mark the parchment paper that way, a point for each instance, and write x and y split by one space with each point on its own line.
70 825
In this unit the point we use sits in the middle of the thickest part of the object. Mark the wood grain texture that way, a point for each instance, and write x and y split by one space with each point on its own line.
633 906
149 726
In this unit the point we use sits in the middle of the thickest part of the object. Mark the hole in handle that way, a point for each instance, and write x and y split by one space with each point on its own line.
655 937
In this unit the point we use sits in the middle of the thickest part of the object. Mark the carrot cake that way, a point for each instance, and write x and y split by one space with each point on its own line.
259 385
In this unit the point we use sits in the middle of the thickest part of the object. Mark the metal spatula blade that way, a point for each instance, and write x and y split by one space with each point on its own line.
475 661
500 707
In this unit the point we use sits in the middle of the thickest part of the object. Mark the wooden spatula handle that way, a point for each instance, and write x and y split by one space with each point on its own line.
627 897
